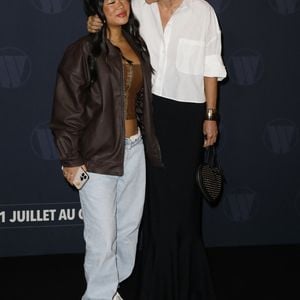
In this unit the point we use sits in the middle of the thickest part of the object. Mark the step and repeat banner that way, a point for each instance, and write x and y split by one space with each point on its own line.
259 145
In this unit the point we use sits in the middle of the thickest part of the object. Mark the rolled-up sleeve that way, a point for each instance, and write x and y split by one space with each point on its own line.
213 64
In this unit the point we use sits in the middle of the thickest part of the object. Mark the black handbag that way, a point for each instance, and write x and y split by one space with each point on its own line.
209 177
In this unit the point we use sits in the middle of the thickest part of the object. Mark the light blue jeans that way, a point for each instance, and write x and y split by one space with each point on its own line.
112 208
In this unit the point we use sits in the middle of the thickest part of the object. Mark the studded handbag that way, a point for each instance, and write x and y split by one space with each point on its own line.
209 177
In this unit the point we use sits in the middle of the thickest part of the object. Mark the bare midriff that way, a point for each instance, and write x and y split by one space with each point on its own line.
131 128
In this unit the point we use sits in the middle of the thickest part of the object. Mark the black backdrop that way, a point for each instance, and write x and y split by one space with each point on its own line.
259 139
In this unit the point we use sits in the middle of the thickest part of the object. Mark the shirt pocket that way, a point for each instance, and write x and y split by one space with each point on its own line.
190 57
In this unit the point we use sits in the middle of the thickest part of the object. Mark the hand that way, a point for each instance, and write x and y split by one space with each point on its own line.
210 131
70 172
94 24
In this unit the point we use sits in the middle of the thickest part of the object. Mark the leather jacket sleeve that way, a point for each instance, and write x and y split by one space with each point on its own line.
68 113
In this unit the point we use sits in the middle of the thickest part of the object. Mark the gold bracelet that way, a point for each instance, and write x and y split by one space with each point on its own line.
211 114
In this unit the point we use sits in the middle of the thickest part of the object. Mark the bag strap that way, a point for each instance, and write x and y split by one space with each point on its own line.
210 156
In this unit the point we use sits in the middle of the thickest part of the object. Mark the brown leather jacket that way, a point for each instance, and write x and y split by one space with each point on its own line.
88 121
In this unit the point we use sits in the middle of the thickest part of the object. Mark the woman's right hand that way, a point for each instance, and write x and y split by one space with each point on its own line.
94 24
70 172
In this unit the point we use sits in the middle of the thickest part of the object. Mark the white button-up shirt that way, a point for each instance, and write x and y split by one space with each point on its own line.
188 49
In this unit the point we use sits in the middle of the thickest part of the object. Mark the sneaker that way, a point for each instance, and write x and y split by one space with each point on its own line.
117 297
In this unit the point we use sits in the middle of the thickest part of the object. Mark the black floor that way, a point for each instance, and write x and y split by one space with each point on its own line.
240 273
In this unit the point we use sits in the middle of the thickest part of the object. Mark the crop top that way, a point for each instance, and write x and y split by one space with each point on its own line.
133 83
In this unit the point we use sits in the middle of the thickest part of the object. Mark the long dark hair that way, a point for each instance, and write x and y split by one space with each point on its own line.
99 39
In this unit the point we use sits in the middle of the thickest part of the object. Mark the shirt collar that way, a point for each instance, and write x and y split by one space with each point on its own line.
185 3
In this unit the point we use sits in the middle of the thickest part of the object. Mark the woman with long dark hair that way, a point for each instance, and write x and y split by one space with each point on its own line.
184 41
102 119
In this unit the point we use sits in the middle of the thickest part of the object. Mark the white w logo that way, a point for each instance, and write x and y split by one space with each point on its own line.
240 205
281 137
52 6
219 5
285 7
12 70
246 68
43 144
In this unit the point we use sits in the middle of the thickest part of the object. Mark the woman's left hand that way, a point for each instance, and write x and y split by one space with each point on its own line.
210 131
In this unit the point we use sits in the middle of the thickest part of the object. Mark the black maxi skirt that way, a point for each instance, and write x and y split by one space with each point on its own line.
172 261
